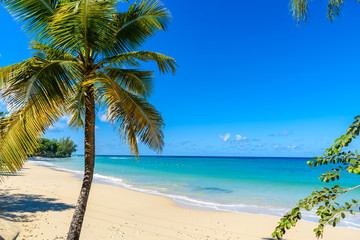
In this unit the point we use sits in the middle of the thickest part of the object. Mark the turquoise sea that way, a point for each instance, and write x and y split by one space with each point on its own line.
261 185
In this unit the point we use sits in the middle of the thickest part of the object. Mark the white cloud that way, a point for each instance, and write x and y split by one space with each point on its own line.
285 133
284 147
103 117
225 138
282 134
58 127
67 118
96 127
240 138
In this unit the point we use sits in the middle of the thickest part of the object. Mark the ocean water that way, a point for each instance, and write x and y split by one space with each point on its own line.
268 186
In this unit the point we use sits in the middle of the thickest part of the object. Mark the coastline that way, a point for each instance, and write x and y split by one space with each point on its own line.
38 203
209 192
178 199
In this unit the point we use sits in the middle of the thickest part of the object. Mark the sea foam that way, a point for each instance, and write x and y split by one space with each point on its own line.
188 202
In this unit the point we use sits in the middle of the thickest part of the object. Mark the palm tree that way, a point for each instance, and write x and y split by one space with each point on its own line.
85 54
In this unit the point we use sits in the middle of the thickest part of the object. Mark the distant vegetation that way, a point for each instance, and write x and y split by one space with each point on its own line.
56 148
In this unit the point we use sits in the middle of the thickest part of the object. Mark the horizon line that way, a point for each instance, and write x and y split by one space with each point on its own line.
188 156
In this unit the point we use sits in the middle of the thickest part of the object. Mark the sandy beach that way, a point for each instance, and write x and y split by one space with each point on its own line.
38 203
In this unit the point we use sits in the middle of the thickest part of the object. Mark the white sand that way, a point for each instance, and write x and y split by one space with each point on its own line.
38 203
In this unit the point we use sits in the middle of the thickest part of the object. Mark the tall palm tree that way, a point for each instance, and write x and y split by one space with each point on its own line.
85 54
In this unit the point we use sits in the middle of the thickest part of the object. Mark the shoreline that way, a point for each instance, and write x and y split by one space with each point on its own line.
187 202
119 213
118 182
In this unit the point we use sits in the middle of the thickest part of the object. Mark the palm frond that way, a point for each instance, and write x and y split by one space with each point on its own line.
84 26
76 108
20 133
133 116
334 8
35 14
139 23
134 81
36 92
299 9
10 72
48 79
51 53
131 59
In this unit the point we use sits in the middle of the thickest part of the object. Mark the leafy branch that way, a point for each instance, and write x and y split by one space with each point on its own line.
329 211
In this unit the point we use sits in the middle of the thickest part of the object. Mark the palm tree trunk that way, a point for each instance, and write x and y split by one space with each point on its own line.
78 217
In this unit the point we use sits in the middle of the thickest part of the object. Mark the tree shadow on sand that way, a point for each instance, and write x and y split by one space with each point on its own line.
17 207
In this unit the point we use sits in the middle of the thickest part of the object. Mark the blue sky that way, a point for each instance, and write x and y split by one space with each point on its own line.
250 81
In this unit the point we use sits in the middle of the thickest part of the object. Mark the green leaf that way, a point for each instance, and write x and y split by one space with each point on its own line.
353 161
288 225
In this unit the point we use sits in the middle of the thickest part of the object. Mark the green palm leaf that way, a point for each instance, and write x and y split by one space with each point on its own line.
135 81
131 59
76 108
40 80
52 53
299 9
35 14
12 71
36 92
136 25
20 133
133 116
84 26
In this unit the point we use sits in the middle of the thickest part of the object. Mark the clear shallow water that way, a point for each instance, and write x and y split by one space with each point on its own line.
253 185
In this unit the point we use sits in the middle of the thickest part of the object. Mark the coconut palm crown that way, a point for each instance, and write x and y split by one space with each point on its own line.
85 55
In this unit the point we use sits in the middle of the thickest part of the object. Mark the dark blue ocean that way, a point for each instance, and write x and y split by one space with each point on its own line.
237 184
